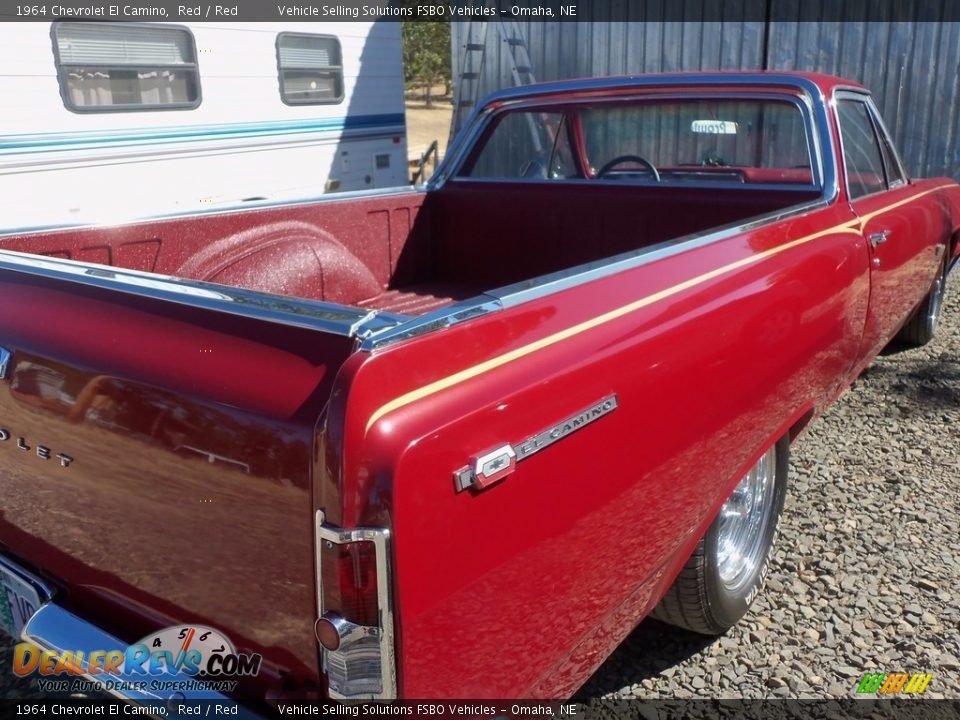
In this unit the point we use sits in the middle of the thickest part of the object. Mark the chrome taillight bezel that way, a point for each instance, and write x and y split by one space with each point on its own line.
383 631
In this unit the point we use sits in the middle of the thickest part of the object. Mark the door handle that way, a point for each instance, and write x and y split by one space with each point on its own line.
878 238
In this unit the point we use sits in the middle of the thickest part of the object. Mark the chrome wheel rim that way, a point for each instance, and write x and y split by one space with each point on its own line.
936 301
744 519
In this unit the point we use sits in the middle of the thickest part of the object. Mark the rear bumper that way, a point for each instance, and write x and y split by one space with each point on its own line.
54 629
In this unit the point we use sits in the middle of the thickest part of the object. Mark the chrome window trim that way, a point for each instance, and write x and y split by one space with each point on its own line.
686 184
801 102
853 94
380 537
887 138
513 97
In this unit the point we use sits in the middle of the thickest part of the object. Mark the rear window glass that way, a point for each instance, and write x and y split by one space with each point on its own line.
695 140
656 140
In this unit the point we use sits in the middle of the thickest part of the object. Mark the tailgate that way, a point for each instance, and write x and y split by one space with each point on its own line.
156 446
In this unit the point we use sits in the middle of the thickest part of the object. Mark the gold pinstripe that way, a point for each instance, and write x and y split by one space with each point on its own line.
864 219
853 227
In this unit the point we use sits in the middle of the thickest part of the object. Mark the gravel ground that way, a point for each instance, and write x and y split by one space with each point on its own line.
867 569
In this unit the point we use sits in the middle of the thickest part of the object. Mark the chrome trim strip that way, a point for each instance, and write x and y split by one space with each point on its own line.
512 295
645 183
57 630
853 94
891 146
310 314
437 320
802 102
380 537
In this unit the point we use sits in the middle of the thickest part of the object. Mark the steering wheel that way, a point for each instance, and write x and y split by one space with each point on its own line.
628 158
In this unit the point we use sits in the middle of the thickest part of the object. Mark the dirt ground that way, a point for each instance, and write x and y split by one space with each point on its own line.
424 125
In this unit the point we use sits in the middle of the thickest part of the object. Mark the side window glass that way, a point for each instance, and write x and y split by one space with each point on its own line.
895 176
525 145
863 157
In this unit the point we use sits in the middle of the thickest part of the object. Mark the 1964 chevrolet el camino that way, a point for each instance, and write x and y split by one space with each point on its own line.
457 442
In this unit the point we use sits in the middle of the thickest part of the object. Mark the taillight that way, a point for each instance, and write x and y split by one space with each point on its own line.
349 574
355 627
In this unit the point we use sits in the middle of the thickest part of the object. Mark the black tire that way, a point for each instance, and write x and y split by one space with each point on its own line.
699 600
922 326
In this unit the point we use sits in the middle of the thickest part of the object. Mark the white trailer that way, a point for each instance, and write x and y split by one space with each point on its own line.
101 121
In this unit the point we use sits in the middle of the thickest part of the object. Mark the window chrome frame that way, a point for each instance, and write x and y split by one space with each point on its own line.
809 93
854 94
887 138
801 102
326 317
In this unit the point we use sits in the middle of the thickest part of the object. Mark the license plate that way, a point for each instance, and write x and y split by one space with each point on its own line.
19 600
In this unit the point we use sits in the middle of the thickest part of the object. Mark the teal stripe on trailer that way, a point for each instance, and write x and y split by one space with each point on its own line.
39 142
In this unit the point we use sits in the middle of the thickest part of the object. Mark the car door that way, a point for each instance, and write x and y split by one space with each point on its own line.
895 226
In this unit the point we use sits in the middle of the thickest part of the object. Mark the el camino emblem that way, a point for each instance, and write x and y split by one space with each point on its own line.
491 467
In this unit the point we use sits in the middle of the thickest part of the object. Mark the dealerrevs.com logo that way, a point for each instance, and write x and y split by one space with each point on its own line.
202 657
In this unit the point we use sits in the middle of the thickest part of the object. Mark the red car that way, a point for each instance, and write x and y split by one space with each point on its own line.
456 442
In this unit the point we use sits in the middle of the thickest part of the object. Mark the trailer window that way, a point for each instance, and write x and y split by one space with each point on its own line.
107 67
310 69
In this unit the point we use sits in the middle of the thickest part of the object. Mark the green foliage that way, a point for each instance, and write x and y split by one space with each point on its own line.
426 56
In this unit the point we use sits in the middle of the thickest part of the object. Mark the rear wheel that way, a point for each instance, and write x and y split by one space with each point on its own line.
727 569
921 328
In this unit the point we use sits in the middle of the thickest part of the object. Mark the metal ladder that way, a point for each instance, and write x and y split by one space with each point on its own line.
472 55
521 69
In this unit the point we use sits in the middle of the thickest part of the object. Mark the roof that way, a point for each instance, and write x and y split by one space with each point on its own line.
813 83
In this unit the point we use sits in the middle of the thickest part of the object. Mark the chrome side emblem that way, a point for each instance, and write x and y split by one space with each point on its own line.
4 361
493 466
